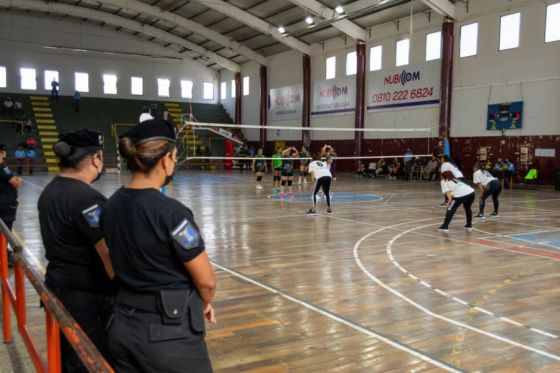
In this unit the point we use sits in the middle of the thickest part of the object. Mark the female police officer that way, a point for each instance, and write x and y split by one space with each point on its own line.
165 280
79 268
8 194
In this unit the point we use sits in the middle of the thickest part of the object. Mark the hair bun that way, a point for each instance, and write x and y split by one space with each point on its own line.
62 149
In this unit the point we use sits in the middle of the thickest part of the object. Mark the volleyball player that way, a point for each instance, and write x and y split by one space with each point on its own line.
259 167
304 165
276 169
457 193
288 156
448 165
321 174
488 186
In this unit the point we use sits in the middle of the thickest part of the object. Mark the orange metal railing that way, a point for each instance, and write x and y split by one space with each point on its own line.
57 317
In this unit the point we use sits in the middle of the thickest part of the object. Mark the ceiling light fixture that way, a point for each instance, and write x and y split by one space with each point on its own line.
339 9
281 30
309 20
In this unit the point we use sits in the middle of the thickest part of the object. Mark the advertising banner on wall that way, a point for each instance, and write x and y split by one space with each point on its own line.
285 103
405 86
334 97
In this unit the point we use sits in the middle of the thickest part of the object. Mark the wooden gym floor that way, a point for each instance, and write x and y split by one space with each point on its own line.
373 287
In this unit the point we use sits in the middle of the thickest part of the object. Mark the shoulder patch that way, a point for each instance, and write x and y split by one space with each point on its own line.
186 235
92 215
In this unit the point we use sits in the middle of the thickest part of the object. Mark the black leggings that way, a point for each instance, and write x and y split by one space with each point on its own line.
324 183
466 201
494 188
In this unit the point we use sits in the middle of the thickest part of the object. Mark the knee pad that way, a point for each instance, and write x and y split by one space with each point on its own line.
289 182
283 182
259 178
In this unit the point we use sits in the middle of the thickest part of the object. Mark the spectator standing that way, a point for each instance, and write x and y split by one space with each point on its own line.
509 170
55 86
28 123
76 99
18 107
408 163
20 158
30 158
8 106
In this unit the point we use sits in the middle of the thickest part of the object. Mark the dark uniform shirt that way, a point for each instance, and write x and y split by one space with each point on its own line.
150 236
8 196
69 212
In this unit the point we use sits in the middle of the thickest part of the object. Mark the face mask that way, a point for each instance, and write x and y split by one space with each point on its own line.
169 178
99 173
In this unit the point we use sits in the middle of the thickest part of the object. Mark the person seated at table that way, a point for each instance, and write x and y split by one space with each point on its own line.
382 168
394 168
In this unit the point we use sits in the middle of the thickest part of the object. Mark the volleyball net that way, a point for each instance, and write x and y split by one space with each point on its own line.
209 146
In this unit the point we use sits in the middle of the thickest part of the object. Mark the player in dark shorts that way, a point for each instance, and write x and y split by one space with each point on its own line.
259 167
288 156
276 169
304 164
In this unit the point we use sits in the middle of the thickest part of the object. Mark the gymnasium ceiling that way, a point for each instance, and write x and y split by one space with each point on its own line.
228 33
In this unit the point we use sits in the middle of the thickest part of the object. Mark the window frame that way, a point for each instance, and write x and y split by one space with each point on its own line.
103 77
246 85
518 32
461 40
399 42
48 80
204 85
331 58
546 22
34 81
439 49
76 87
380 57
141 79
159 82
187 92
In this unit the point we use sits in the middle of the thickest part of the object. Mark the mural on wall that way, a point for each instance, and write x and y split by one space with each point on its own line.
505 116
285 103
405 86
334 97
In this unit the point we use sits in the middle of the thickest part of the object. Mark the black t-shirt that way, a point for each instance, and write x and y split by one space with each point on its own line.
69 211
150 236
7 189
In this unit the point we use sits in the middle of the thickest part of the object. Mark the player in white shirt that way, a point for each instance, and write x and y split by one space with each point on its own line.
457 193
321 174
146 115
488 186
448 165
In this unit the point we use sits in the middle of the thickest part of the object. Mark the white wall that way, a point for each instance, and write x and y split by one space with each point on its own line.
530 73
25 35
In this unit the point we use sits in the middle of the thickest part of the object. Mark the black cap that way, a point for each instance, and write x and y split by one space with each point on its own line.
153 129
82 138
2 147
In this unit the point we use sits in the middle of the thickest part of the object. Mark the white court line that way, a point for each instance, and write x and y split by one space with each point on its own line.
438 316
332 316
25 181
389 250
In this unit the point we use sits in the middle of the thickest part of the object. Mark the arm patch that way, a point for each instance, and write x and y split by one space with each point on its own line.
186 235
92 215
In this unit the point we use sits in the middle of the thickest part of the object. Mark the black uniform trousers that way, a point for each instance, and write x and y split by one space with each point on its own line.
494 188
136 347
466 201
324 183
92 312
8 208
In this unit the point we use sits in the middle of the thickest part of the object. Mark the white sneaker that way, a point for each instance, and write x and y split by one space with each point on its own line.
299 182
259 187
305 181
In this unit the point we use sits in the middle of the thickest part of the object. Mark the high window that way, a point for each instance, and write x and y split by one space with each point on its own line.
81 82
403 49
233 89
509 31
351 63
109 84
49 76
375 55
331 67
163 87
3 82
223 89
208 91
186 88
136 86
245 86
433 46
552 29
469 40
28 78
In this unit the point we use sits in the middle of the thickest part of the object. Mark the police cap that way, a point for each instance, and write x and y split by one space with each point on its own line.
82 138
153 129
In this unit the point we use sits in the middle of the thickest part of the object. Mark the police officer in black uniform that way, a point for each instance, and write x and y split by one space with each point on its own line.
79 271
8 194
165 279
